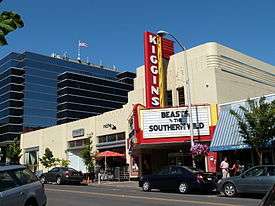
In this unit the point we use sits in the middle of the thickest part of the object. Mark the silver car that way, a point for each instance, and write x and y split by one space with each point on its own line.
20 187
258 180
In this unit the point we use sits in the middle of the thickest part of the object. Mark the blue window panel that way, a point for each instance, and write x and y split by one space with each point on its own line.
40 96
40 80
36 121
31 111
40 88
12 63
37 103
41 73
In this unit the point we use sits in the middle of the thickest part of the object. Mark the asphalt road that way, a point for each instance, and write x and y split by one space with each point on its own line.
130 195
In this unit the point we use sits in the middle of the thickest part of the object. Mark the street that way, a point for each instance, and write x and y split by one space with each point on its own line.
124 194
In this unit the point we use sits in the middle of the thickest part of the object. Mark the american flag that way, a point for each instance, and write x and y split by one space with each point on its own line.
82 44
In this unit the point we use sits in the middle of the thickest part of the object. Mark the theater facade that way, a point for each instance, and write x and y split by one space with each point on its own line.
153 129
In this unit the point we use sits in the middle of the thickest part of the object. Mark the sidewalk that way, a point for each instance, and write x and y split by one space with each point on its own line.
129 184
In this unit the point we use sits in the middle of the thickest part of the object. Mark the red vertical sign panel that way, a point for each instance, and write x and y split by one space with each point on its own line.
167 48
212 161
151 70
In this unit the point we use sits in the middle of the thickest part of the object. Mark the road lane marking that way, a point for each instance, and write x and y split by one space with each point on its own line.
144 198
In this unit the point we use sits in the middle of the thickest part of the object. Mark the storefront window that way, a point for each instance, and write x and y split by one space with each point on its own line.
78 143
120 136
111 138
31 160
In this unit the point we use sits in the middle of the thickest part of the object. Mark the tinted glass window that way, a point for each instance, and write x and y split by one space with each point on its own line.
6 182
192 169
37 103
177 171
255 172
25 176
93 94
94 87
54 170
41 88
72 170
34 121
39 112
164 171
271 171
39 80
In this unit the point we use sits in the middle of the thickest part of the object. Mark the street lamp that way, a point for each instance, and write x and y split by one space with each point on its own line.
162 34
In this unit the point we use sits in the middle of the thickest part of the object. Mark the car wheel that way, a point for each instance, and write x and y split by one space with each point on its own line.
58 180
31 202
229 189
183 187
43 180
146 187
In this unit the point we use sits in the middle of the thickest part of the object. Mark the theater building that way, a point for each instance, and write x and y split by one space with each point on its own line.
153 128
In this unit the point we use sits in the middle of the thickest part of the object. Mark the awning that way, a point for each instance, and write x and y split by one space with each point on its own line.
227 136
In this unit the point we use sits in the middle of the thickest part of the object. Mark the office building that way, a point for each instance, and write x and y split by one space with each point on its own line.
32 86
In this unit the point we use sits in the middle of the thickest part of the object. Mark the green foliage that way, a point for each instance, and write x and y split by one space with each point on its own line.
14 152
9 21
257 124
48 160
88 157
62 162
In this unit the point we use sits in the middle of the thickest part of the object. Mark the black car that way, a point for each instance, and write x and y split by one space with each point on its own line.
61 175
258 180
181 178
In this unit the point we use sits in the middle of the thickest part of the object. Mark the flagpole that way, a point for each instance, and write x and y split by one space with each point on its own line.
78 53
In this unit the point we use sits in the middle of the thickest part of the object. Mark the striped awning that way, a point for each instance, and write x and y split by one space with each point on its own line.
227 136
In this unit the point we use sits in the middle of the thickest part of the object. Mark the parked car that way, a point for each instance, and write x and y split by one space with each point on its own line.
256 180
180 178
20 187
61 175
269 198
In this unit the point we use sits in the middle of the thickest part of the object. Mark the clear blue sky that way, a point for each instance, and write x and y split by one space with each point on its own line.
114 29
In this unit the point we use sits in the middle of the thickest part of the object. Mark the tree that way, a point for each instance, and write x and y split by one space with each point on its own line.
62 162
47 160
88 157
14 152
9 21
257 124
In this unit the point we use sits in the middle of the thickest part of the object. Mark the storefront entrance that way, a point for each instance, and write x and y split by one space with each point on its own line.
154 158
76 161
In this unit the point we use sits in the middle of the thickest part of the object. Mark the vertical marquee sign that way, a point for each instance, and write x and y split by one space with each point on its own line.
155 49
151 70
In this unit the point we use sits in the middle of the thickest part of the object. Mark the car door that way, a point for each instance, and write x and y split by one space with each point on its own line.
10 190
159 180
250 181
177 175
51 175
269 180
29 184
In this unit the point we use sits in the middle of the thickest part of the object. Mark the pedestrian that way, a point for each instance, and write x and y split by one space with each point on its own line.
236 168
225 168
